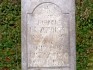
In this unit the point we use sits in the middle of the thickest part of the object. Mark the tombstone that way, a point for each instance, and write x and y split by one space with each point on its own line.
48 35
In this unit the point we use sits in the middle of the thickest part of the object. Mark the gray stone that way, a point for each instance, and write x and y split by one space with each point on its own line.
48 35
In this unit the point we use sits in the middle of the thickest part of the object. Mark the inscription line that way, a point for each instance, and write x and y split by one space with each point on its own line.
49 67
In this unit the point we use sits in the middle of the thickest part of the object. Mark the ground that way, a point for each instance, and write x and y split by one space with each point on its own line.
10 34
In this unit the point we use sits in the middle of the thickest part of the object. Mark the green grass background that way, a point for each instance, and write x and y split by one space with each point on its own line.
10 34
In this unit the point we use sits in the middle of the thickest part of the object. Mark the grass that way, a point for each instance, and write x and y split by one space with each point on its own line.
84 30
10 35
10 38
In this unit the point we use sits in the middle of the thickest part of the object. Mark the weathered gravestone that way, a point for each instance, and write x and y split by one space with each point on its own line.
48 35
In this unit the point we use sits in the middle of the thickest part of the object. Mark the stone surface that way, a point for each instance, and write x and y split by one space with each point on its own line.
48 69
48 35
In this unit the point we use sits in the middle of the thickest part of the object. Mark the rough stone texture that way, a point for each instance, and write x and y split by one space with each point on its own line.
48 35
